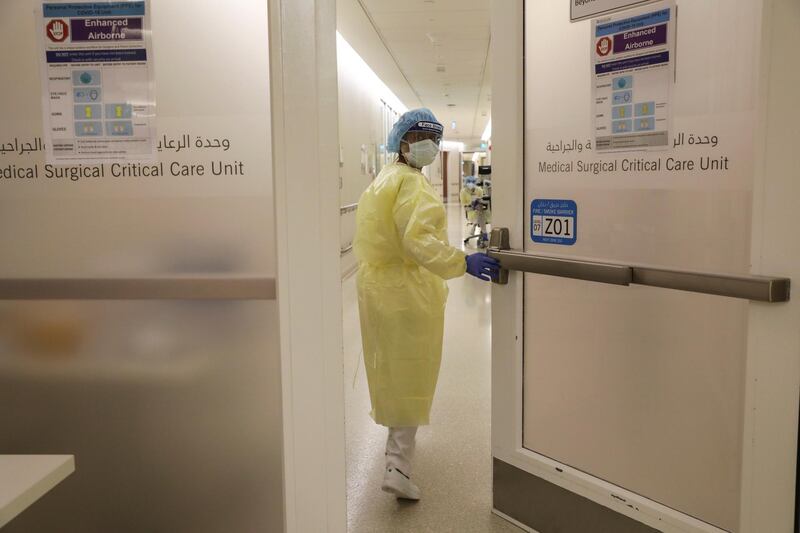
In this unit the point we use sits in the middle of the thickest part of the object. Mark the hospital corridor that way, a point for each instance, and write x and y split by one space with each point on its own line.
399 266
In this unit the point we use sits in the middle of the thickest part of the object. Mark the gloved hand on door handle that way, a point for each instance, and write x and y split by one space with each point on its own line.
483 267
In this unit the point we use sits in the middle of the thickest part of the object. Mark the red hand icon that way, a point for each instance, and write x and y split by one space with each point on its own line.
57 31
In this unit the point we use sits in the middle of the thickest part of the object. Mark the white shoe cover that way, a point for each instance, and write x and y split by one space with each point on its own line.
395 482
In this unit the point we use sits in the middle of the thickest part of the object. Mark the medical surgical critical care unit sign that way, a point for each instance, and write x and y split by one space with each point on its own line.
633 71
98 94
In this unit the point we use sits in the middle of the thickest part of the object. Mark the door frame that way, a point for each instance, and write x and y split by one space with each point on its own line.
445 185
305 131
772 386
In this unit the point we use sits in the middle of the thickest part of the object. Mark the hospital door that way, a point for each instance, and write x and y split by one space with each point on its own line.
645 351
138 318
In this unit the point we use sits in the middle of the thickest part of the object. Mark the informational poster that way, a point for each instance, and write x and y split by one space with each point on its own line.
98 95
633 73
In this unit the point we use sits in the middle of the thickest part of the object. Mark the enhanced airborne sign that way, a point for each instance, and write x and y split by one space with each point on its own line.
586 9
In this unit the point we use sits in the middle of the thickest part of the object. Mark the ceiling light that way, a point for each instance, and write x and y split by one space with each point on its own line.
451 105
453 124
440 68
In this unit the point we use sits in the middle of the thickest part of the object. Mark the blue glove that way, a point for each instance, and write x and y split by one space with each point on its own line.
483 267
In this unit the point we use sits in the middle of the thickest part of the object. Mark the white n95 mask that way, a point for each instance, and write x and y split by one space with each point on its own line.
421 154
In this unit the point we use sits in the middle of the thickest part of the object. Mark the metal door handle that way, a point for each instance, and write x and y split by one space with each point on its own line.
348 208
756 288
174 288
565 268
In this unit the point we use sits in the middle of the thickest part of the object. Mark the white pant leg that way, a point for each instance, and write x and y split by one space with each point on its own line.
400 448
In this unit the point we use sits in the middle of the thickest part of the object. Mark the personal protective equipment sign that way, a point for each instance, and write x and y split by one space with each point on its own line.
554 222
98 96
633 58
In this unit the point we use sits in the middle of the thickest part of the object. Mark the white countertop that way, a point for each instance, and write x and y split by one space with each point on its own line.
26 478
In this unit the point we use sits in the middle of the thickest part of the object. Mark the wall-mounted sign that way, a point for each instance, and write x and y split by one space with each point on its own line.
633 58
97 81
586 9
554 222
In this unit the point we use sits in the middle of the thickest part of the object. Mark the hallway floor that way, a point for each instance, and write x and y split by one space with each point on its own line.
453 463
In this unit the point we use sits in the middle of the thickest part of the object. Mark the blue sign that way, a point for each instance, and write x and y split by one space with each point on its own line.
554 222
651 60
96 56
619 26
94 9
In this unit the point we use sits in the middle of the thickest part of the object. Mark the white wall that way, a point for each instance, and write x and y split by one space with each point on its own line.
453 176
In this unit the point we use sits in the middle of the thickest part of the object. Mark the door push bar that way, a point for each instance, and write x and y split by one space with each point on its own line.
756 288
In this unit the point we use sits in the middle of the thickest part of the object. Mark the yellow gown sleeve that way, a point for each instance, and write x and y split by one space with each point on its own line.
466 197
421 223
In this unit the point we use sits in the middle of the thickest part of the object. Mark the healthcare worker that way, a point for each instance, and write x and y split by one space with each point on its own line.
469 193
404 259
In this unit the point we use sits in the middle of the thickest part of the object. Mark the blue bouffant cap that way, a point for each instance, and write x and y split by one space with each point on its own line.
421 119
